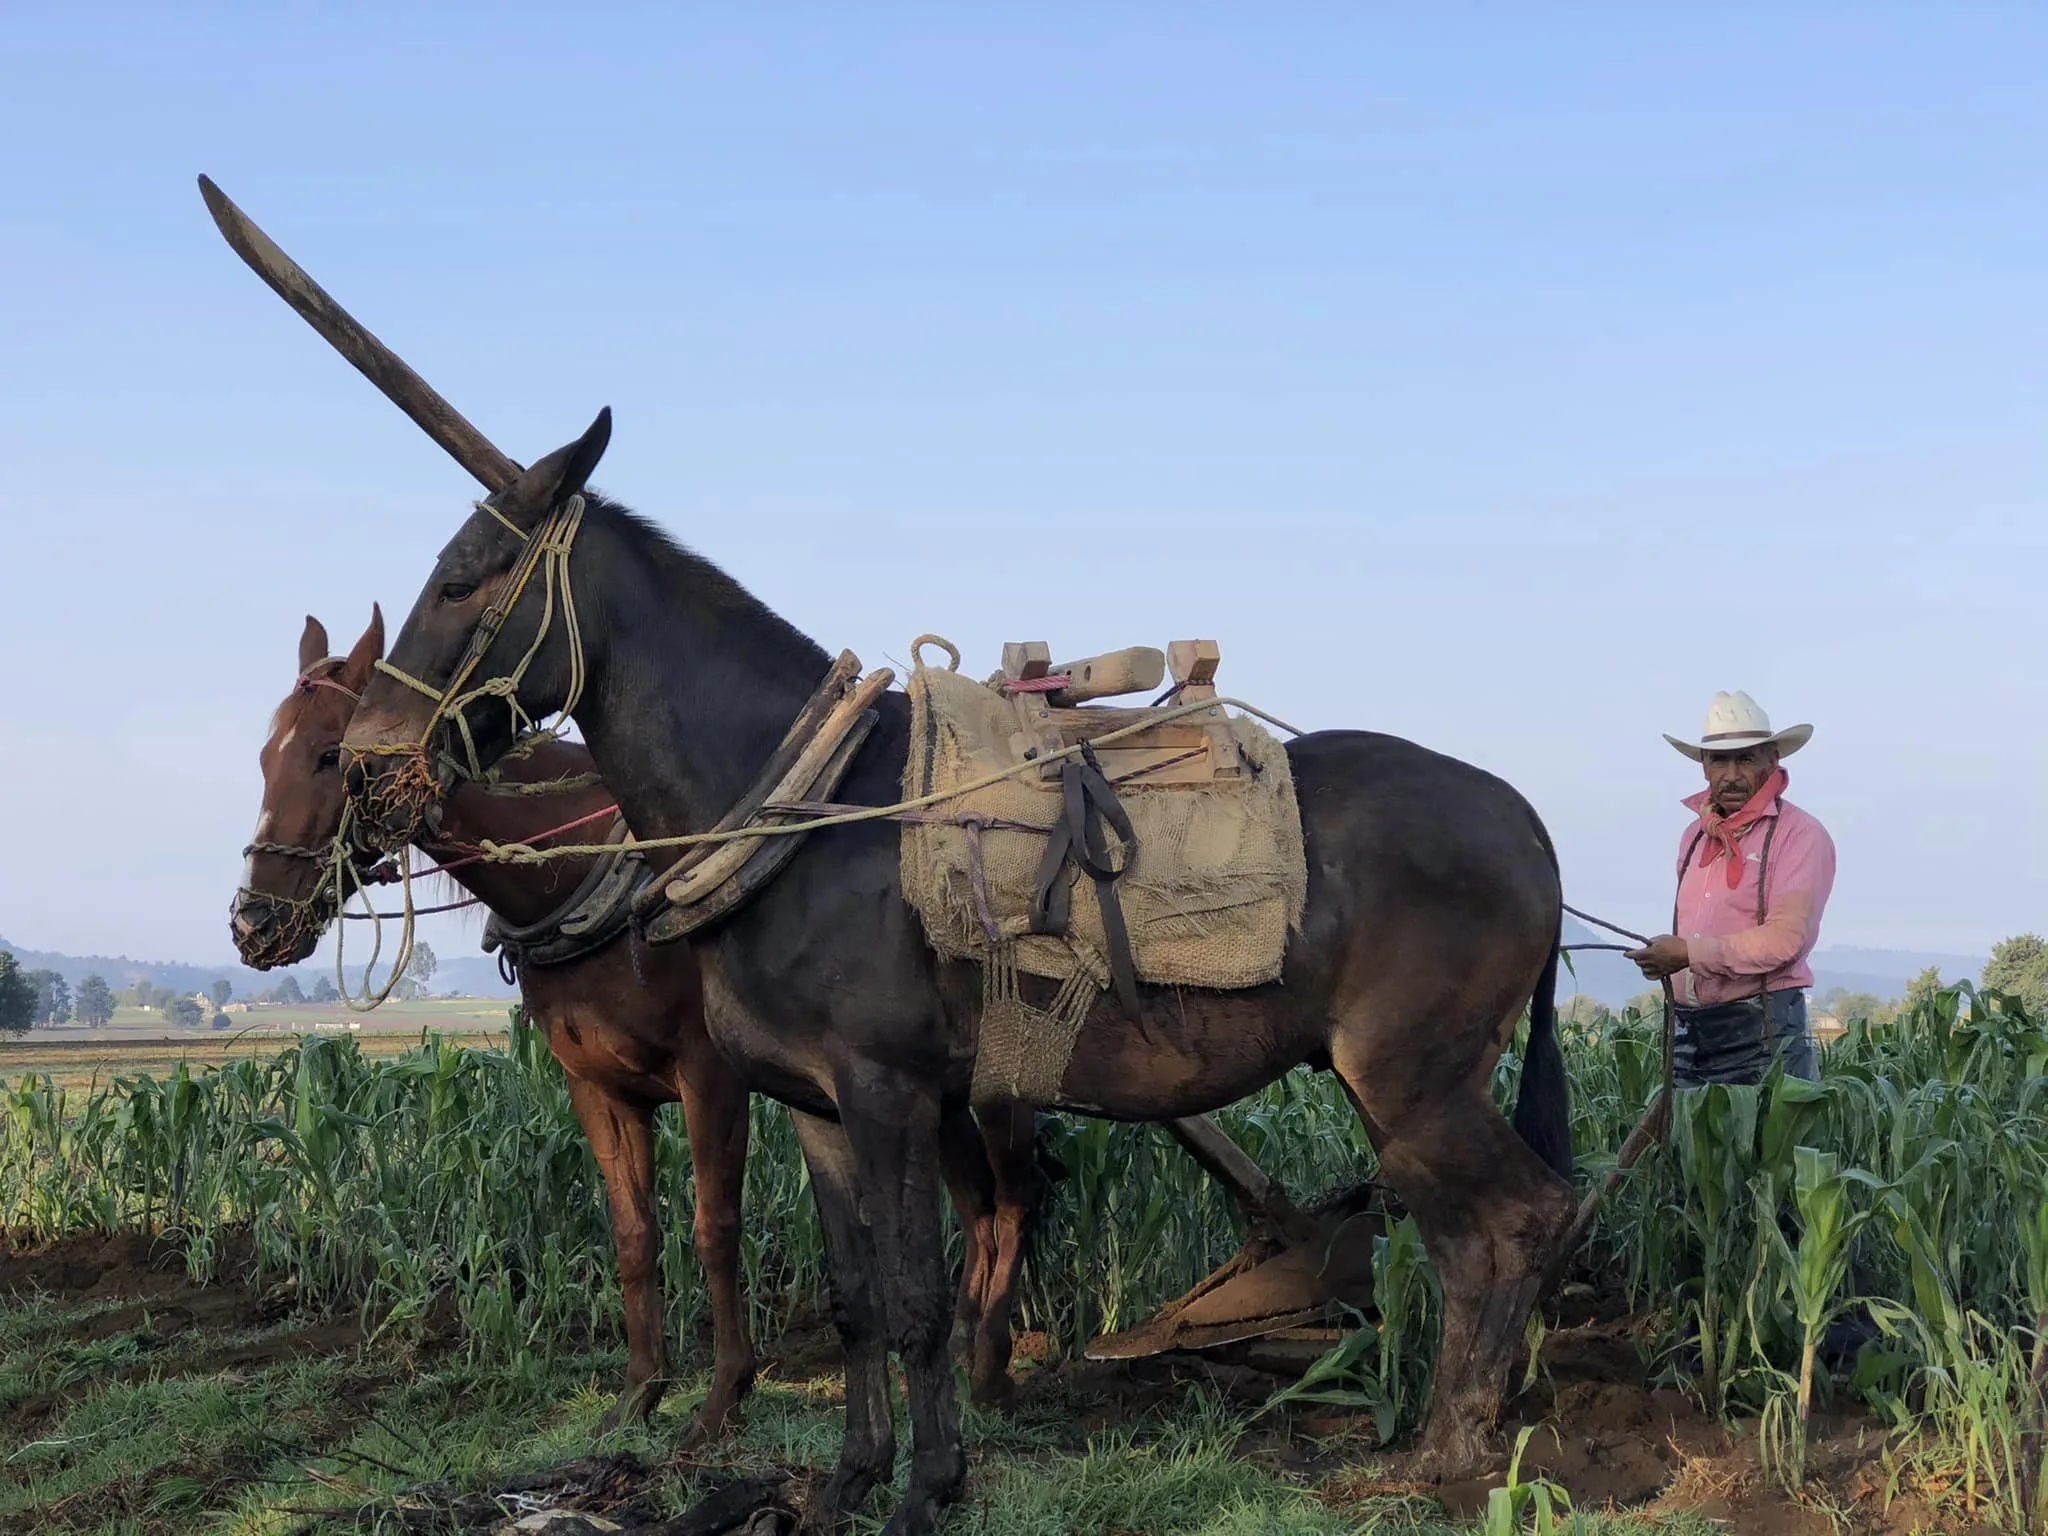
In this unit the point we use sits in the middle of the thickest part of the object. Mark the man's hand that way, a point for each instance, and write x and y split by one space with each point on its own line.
1661 957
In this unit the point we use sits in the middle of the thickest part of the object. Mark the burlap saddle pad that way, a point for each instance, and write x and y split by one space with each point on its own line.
1209 897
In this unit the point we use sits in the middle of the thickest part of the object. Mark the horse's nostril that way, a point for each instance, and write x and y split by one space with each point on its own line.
357 778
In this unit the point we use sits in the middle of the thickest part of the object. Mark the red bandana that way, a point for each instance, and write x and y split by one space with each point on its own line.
1718 832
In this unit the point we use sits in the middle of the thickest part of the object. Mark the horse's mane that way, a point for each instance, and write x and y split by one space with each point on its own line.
744 621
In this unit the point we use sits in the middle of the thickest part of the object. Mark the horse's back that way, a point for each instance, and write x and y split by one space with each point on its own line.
1396 825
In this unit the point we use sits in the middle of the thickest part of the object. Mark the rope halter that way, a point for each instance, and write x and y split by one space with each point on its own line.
419 778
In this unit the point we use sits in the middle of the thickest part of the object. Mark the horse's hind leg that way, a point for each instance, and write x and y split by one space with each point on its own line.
1010 1135
621 1137
971 1182
715 1113
867 1453
1490 1214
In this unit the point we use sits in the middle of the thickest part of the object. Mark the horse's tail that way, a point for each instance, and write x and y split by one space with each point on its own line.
1543 1105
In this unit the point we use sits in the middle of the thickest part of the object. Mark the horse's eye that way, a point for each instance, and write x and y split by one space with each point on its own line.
331 758
456 591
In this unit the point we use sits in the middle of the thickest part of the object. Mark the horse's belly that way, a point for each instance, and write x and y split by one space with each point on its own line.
1192 1052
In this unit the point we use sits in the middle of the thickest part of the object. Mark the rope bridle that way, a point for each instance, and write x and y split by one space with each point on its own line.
546 550
293 919
421 773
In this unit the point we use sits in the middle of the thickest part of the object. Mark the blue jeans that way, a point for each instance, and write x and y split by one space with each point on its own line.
1735 1042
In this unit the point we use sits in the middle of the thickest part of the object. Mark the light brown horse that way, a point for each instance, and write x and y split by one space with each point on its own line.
628 1031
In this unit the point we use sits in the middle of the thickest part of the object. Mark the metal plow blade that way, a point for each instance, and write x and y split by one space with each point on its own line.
1293 1285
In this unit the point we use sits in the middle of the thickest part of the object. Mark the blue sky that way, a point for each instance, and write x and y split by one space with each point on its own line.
1506 378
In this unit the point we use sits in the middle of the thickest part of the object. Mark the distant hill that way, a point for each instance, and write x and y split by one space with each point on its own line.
1602 975
1608 978
1885 972
1599 974
471 975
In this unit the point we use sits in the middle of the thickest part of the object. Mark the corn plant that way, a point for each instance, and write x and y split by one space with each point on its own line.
1913 1180
1539 1506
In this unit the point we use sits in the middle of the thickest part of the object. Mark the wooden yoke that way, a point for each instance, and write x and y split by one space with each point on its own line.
1190 749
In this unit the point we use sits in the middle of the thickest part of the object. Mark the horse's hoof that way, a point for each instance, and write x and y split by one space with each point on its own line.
1451 1458
844 1493
917 1515
636 1405
995 1394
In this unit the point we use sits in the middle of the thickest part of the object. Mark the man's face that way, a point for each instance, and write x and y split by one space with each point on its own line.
1733 778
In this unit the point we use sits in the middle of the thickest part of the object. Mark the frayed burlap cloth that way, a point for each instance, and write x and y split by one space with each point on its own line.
1210 898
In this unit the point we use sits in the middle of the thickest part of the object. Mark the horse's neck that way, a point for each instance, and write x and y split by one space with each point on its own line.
524 893
693 697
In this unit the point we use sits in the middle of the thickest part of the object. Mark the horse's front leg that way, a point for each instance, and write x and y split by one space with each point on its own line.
621 1135
867 1452
892 1121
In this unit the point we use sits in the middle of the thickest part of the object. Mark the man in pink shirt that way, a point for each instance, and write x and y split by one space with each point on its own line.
1754 873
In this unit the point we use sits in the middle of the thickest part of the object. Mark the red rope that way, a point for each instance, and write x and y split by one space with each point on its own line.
538 837
386 874
1052 683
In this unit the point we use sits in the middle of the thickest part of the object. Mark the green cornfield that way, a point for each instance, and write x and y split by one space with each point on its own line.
1908 1189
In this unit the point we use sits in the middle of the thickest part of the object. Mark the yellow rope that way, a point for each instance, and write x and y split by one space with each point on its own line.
344 869
547 552
526 853
485 506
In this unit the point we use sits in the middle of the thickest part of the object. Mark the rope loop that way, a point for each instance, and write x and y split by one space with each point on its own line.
952 651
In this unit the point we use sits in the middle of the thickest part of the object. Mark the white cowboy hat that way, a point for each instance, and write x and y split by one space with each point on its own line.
1735 723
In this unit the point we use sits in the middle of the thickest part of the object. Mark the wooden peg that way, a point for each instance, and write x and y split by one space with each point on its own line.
1193 664
1026 660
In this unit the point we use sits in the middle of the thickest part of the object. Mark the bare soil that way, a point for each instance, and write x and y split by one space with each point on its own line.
1616 1442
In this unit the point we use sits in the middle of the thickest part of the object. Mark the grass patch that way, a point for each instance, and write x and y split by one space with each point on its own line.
149 1439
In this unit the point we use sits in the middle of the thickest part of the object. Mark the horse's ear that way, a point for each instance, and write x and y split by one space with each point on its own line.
557 477
312 644
355 669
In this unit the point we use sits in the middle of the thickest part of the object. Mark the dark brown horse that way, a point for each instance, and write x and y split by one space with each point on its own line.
1432 918
629 1033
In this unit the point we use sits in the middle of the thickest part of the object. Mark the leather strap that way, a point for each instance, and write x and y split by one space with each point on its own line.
1088 800
596 912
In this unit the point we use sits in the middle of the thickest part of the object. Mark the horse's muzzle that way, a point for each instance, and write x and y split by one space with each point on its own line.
391 796
269 931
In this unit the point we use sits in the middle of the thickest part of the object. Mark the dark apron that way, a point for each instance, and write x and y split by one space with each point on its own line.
1734 1042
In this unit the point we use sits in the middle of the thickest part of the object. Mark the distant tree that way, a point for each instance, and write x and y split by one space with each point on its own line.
144 994
53 997
95 1004
324 991
288 990
221 991
1650 1004
1921 989
1849 1006
419 970
18 997
184 1011
2019 965
222 1021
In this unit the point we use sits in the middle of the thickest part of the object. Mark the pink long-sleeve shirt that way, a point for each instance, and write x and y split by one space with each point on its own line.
1729 951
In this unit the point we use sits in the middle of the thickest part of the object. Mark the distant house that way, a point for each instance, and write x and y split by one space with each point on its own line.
1826 1028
